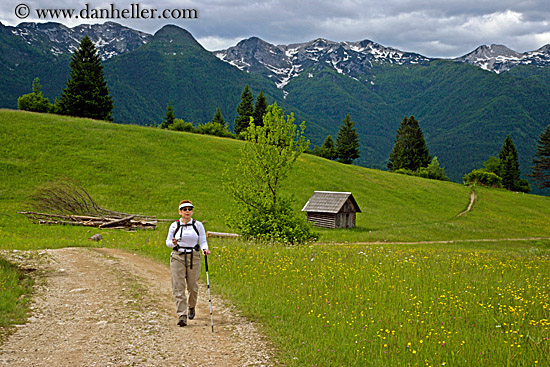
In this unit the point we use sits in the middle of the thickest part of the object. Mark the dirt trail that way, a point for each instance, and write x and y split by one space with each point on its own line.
473 198
106 307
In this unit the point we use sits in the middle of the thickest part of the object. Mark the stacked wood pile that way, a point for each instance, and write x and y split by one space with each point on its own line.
67 203
112 222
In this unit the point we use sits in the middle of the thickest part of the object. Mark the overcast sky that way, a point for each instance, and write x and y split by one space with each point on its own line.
442 28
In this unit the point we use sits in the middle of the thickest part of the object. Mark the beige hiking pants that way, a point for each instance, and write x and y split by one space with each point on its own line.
184 277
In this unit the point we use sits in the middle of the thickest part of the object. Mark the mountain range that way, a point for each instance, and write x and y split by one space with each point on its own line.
355 59
466 106
111 39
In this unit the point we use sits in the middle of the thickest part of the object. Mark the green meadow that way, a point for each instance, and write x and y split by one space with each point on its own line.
394 305
371 295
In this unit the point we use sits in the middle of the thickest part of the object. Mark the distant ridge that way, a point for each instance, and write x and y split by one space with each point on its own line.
111 39
284 62
499 58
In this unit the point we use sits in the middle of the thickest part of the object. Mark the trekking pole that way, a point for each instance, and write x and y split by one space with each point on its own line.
208 284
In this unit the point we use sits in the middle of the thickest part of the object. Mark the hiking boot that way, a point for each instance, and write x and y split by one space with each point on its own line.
182 321
191 313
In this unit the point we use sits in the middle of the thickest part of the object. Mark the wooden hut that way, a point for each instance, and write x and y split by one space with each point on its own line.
329 209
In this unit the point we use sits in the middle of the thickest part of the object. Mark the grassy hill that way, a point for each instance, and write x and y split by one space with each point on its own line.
145 170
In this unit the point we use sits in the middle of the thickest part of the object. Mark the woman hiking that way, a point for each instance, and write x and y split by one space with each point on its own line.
187 238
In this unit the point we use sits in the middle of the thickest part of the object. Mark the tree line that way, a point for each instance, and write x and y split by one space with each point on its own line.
411 156
248 112
504 172
346 148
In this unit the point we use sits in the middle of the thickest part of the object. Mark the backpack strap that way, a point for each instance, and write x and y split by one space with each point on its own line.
195 227
178 225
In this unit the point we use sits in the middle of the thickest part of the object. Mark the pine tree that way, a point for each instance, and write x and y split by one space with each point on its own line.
541 168
218 118
245 110
216 127
410 150
259 109
169 117
509 164
509 167
347 142
327 150
86 93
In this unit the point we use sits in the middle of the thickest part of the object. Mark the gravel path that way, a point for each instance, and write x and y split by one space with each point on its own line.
106 307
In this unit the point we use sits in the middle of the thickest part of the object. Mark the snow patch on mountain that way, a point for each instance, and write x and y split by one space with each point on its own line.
282 63
111 39
499 58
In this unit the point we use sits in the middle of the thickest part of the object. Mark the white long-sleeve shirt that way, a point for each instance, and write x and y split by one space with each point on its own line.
187 236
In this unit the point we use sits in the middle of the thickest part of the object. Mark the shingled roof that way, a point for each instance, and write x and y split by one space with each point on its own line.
329 202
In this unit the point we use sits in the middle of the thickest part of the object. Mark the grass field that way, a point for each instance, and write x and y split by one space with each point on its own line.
385 305
332 303
15 287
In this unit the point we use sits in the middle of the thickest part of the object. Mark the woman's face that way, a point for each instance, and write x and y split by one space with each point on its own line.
186 212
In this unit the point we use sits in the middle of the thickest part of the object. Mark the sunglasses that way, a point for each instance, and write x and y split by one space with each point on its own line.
186 209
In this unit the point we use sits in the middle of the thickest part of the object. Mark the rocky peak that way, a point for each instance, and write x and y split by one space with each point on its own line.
284 62
499 58
110 38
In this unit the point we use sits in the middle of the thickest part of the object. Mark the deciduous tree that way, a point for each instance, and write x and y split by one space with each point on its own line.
268 156
433 171
216 127
34 101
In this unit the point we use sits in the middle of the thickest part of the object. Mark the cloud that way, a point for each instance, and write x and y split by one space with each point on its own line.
496 24
216 43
